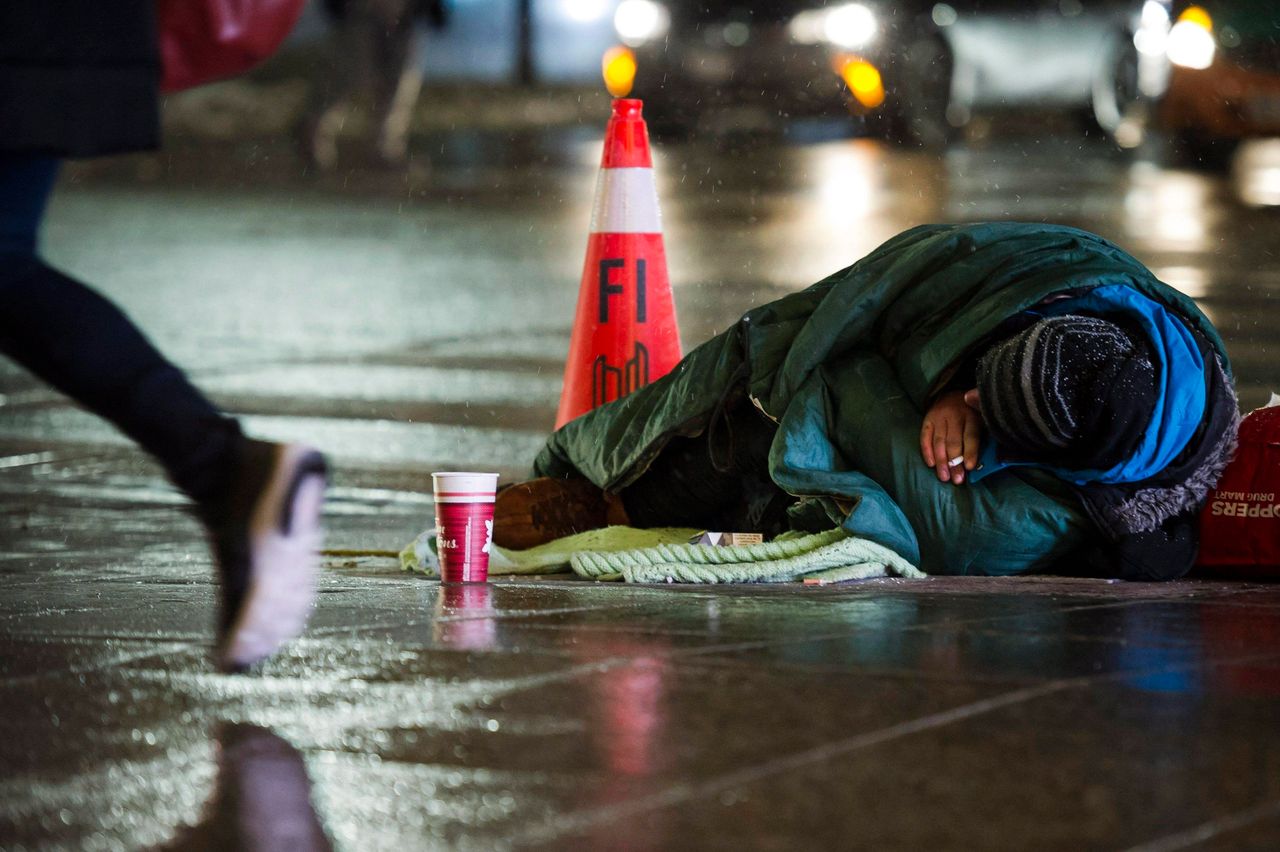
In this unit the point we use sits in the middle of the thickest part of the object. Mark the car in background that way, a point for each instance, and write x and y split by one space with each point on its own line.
1074 55
1225 80
749 62
912 71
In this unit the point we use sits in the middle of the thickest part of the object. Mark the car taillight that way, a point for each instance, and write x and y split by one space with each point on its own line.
863 80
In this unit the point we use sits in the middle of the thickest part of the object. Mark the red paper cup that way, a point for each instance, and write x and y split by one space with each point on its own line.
464 524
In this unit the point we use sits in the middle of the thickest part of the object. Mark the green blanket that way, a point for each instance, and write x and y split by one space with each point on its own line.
665 556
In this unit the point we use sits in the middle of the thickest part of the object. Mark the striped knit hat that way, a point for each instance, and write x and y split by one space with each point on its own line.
1076 391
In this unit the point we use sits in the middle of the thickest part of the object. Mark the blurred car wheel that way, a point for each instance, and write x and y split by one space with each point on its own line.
1119 109
921 111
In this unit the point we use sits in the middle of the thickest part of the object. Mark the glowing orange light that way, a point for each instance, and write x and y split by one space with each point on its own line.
1198 16
619 68
863 79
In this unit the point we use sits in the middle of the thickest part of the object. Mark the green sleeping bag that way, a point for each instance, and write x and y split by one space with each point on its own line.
846 368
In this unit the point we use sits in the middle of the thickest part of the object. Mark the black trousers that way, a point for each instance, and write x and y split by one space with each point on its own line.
80 343
718 480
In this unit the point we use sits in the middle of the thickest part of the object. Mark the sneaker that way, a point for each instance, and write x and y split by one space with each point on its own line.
531 513
266 539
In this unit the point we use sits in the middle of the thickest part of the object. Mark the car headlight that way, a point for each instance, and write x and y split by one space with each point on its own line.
1191 43
639 21
1151 37
850 26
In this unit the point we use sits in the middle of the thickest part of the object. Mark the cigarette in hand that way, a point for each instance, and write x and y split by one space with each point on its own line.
956 462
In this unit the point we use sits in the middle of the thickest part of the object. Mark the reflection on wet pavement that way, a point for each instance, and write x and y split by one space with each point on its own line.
261 799
567 714
412 327
465 619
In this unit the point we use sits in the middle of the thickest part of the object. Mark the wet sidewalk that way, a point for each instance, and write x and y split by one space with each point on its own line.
563 714
417 322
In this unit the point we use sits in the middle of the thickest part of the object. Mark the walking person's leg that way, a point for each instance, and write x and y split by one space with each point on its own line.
343 70
260 502
397 78
371 62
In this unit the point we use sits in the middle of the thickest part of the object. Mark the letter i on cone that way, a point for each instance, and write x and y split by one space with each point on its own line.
624 333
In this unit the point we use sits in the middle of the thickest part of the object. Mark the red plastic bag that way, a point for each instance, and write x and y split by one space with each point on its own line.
206 40
1240 525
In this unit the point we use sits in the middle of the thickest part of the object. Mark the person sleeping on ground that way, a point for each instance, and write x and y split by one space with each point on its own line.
993 399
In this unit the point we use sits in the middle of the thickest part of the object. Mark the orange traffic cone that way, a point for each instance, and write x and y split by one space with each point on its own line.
624 333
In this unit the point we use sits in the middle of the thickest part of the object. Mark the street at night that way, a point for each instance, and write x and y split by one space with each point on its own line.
417 320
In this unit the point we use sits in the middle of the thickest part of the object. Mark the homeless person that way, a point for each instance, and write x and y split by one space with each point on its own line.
983 399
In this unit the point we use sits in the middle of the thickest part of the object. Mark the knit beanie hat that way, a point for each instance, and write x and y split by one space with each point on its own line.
1074 391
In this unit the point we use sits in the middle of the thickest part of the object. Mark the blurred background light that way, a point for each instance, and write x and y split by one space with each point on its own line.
1191 281
585 11
850 26
1154 14
1191 42
1256 173
736 33
619 69
639 21
1168 209
806 27
1152 35
863 80
846 185
944 15
853 25
1198 16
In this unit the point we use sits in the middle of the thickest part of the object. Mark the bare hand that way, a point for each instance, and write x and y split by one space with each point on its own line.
951 436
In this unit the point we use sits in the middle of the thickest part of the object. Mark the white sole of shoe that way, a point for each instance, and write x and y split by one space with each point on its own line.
285 535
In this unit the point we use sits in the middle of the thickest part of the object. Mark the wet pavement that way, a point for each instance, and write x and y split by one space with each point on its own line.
414 321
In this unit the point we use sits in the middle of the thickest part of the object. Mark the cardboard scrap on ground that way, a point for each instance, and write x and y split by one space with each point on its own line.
726 539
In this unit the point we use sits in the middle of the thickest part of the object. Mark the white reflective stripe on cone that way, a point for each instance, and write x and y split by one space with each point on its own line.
626 203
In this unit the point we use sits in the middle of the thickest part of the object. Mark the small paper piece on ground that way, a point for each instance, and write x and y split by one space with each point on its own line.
726 539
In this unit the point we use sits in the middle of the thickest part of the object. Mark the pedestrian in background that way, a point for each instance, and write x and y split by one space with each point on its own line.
82 79
376 53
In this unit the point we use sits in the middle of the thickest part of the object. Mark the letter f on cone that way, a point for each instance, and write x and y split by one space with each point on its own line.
624 332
